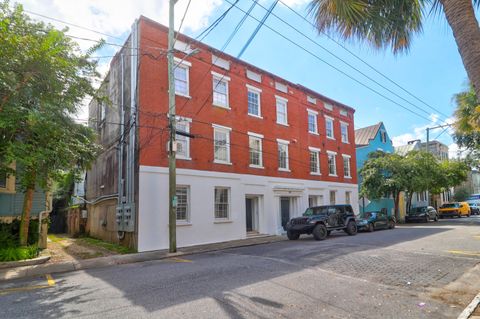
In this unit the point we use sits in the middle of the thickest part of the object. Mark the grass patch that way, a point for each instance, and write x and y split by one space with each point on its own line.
109 246
55 238
18 253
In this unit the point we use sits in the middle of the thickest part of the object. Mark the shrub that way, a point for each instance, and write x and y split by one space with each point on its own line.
9 233
18 253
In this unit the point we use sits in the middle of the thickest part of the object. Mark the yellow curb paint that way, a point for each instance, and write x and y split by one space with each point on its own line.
179 260
21 289
466 253
50 280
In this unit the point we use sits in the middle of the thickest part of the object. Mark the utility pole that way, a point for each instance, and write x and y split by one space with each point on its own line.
172 147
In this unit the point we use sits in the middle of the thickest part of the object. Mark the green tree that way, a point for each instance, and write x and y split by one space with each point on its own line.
393 23
461 194
44 77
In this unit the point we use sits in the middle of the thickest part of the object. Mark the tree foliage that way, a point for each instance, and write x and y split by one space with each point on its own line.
44 77
385 175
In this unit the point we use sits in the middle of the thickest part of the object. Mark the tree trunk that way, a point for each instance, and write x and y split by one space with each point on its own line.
27 208
461 18
396 201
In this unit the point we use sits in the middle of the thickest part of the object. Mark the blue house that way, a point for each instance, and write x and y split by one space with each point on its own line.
367 140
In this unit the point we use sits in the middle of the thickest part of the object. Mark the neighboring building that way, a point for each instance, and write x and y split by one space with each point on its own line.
410 146
368 140
438 149
472 184
264 149
11 199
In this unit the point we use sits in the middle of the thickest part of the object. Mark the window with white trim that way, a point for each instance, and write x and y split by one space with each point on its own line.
332 165
383 136
344 131
255 150
346 166
183 142
328 106
220 90
333 195
329 127
183 206
221 144
181 75
312 122
282 111
253 96
283 155
314 161
222 202
348 199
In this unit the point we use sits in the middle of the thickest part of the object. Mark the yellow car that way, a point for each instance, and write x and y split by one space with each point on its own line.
457 209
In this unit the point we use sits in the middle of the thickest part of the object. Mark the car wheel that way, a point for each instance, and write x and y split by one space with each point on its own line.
292 235
351 228
320 232
329 232
427 219
436 218
391 224
371 228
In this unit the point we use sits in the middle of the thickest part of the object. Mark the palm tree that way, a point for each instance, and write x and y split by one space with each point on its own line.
392 23
467 113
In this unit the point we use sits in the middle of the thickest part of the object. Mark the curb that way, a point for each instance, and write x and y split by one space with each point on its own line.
100 262
470 308
23 263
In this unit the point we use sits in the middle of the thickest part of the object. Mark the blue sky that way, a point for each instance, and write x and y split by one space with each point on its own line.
432 70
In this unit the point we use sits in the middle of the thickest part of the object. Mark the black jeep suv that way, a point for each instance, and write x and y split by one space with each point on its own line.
321 220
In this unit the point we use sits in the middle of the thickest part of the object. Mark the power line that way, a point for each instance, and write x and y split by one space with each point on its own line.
181 22
365 62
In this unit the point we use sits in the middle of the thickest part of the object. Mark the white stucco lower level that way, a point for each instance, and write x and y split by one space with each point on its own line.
202 227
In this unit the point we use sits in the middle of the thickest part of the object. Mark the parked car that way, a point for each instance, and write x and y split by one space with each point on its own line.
422 214
371 221
456 209
319 221
474 208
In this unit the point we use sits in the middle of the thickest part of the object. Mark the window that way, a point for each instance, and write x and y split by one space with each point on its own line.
222 63
328 106
332 165
344 132
314 161
222 202
332 197
312 122
346 166
181 74
282 117
383 136
254 76
283 155
221 137
183 142
329 127
3 180
254 101
348 197
103 111
281 87
183 203
220 90
343 113
255 147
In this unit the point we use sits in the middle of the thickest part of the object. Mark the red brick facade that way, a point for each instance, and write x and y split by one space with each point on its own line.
153 105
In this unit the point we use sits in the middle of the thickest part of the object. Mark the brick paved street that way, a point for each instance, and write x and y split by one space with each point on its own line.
413 271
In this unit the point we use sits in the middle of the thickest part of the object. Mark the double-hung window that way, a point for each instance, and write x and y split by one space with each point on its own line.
314 160
333 199
283 164
329 127
312 122
183 206
346 166
183 142
220 90
253 96
282 110
332 164
348 199
255 150
221 144
222 202
344 131
181 75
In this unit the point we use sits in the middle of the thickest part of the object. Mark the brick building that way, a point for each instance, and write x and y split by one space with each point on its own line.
263 150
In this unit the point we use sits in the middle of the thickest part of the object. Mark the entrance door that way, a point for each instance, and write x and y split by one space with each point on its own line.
249 213
285 210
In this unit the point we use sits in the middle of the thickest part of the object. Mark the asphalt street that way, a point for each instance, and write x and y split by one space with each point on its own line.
384 274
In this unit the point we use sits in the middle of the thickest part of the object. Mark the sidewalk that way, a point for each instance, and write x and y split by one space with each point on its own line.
65 266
